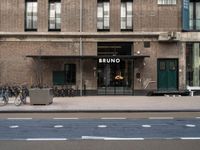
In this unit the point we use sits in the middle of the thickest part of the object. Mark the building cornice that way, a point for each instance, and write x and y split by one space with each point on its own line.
75 36
80 34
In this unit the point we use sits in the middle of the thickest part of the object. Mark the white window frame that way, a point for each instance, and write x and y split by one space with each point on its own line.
103 15
167 2
126 15
31 11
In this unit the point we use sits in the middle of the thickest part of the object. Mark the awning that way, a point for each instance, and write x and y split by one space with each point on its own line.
86 56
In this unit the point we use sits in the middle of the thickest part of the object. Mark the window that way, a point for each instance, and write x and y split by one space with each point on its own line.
147 44
54 15
162 65
193 64
31 15
126 15
70 73
194 14
167 2
103 15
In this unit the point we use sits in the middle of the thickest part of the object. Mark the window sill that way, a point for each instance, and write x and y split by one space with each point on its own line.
54 30
30 30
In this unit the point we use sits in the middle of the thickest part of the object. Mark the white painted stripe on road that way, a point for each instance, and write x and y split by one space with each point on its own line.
14 126
123 139
108 138
46 139
190 138
92 138
102 126
161 118
58 126
146 126
119 118
197 117
190 125
65 118
19 118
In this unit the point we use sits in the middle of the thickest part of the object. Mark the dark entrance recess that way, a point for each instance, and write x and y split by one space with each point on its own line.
115 78
65 77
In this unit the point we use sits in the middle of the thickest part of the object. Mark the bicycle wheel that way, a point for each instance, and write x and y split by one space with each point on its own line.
18 101
6 100
23 99
2 101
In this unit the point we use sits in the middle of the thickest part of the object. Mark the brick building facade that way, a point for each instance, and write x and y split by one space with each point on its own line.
63 42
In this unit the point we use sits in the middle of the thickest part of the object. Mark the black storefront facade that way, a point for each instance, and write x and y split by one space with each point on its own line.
112 71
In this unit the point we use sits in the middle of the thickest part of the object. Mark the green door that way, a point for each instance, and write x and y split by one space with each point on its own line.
58 77
167 74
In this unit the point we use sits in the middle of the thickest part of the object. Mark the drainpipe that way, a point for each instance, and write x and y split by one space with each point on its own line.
81 50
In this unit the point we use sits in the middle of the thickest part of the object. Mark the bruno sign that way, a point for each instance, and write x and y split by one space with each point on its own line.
109 60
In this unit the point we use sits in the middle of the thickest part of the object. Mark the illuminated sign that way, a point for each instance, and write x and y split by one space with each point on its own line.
109 60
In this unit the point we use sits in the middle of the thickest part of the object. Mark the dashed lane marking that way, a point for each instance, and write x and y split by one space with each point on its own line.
118 118
109 138
14 126
46 139
65 118
190 138
190 125
102 126
124 139
58 126
161 118
19 118
146 126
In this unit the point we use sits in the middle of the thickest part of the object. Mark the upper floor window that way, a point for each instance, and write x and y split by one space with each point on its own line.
194 14
31 15
103 15
126 15
54 15
167 2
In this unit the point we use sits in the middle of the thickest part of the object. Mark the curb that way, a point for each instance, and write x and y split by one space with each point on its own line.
97 111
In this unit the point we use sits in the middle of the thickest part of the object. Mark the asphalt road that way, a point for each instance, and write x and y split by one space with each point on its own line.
99 129
146 131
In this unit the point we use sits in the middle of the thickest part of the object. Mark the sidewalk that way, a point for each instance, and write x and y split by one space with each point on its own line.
110 104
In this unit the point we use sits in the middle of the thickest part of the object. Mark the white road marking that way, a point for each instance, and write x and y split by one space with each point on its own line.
58 126
92 138
161 118
146 126
46 139
190 125
197 117
190 138
65 118
14 126
19 118
102 126
124 139
108 138
119 118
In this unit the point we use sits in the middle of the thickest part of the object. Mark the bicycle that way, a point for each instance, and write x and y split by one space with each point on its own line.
4 96
20 96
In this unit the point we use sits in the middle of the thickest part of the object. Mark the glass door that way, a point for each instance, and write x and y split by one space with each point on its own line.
115 78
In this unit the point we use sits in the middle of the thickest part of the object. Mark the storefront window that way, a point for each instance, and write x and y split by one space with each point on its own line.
193 64
114 71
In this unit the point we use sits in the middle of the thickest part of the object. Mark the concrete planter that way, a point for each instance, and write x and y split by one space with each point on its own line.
41 96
